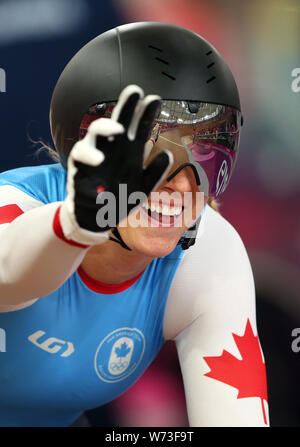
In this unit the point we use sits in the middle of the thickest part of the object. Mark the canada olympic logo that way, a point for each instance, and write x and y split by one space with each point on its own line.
119 354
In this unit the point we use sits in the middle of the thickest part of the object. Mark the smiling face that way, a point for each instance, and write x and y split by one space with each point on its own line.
203 143
155 228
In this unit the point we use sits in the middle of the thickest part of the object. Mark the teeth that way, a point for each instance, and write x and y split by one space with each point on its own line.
177 210
165 210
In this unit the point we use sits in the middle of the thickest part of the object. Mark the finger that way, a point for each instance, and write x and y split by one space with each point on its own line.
143 118
86 154
157 171
125 107
100 131
147 150
103 126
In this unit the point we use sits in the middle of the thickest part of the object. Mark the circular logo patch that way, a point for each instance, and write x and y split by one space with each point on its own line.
119 354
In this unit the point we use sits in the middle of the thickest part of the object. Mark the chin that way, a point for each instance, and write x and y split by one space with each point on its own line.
155 246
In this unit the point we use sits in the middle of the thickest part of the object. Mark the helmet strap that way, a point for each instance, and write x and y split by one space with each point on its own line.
189 237
118 239
185 241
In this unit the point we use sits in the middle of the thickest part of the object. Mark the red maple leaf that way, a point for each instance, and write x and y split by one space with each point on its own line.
247 375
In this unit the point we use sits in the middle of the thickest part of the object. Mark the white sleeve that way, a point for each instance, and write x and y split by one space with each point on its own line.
211 315
33 260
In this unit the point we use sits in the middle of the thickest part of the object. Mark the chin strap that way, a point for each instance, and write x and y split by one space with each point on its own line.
118 239
189 238
186 241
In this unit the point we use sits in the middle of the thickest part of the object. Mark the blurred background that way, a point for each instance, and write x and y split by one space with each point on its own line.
260 40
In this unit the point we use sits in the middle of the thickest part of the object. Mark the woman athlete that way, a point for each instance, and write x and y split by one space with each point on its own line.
116 249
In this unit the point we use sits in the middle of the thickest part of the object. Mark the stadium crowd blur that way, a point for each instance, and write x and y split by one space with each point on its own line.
260 41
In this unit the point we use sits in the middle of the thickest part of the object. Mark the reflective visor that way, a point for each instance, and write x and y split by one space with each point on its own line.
202 135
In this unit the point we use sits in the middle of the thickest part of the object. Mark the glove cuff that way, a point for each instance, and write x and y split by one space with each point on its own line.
67 229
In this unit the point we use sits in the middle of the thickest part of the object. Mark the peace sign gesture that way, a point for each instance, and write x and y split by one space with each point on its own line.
110 154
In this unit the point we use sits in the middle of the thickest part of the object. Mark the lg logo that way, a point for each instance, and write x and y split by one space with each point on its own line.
295 86
52 345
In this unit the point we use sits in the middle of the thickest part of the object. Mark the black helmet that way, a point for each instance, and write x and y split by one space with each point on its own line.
163 59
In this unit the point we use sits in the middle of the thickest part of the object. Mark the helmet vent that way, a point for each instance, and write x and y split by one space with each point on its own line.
210 79
155 48
168 75
163 61
209 66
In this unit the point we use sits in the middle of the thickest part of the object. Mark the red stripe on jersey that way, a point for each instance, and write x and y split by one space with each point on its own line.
59 232
100 287
8 213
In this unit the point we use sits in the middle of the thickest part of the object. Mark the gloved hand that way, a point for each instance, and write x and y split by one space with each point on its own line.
111 153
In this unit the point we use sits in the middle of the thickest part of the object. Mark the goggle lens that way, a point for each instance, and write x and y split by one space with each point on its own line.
209 133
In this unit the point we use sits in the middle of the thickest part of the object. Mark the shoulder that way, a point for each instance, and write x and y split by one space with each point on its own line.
217 243
45 183
210 273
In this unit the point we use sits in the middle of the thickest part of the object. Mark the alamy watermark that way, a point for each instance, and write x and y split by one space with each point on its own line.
2 340
159 209
295 85
2 81
296 342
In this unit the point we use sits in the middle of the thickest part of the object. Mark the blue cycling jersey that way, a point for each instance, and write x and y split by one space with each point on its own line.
83 345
